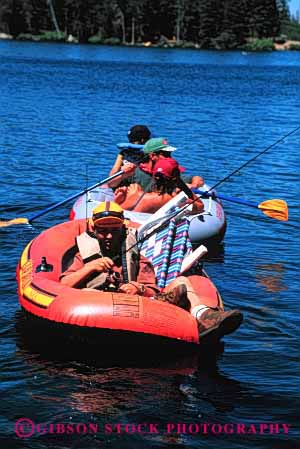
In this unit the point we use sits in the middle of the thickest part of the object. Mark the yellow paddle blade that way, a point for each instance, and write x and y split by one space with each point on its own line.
14 221
277 209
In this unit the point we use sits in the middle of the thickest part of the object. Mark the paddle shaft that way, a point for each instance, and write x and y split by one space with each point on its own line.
226 198
73 197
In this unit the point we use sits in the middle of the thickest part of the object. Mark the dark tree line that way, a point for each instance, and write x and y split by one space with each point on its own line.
208 23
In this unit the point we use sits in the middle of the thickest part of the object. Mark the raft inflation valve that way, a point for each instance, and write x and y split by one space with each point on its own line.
44 266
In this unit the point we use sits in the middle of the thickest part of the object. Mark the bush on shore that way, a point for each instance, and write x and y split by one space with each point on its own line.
112 41
96 39
259 45
44 36
294 47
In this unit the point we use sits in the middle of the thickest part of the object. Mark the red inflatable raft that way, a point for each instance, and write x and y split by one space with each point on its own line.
113 315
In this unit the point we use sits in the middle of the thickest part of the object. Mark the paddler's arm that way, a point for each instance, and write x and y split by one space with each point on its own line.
128 170
196 182
117 165
128 197
193 181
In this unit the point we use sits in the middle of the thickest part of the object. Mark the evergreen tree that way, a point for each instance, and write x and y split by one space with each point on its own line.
22 16
208 16
6 16
232 24
159 20
283 15
263 18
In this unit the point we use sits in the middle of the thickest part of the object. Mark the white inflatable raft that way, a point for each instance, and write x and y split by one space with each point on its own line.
207 227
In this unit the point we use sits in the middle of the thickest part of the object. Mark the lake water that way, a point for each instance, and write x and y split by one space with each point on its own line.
62 110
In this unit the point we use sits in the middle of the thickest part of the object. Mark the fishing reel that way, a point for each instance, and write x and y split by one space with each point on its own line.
112 282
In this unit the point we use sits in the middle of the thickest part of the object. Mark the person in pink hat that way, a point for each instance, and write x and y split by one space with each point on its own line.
164 181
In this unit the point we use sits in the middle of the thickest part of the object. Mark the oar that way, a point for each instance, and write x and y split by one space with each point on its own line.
23 220
277 209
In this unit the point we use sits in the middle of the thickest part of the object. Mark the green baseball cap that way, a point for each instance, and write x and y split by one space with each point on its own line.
157 144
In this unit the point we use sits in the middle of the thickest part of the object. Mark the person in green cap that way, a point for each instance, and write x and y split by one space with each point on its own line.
154 149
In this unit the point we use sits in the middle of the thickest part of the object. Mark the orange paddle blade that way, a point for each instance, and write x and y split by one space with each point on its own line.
14 221
277 209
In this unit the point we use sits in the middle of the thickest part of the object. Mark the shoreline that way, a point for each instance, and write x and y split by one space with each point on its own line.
288 45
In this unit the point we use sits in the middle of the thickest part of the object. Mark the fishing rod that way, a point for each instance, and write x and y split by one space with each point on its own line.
280 206
275 208
134 153
253 158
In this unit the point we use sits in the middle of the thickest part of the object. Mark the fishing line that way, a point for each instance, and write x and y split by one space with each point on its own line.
241 167
164 223
86 196
253 158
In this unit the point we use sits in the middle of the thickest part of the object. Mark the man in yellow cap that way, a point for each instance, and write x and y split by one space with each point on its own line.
108 257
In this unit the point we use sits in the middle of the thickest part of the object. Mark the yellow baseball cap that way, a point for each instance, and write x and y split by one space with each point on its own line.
108 214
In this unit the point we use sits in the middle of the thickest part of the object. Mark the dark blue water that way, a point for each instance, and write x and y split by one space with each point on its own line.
62 109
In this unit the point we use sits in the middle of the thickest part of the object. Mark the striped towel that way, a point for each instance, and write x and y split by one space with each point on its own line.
167 249
182 246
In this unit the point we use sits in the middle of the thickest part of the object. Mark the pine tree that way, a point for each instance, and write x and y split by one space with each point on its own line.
262 18
283 15
23 14
207 14
231 30
6 16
